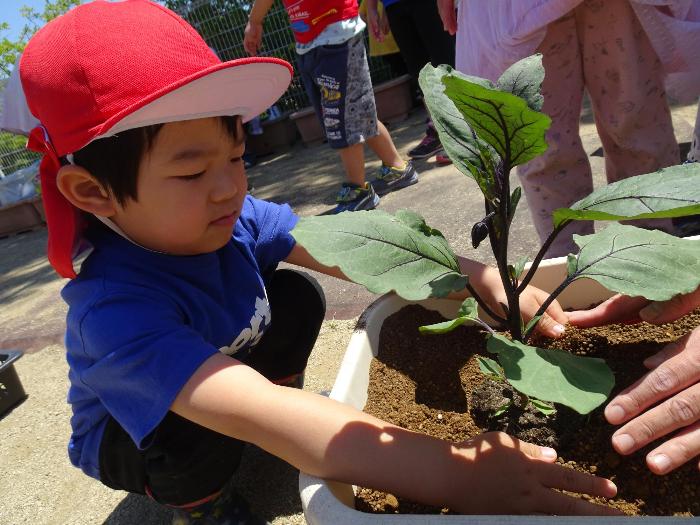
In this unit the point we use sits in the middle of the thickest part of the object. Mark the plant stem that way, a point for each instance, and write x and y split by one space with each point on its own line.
485 325
498 233
540 255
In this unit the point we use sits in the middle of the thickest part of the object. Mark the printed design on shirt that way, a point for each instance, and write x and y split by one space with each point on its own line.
330 12
298 17
251 336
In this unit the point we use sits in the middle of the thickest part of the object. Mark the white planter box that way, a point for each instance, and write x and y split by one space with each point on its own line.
332 503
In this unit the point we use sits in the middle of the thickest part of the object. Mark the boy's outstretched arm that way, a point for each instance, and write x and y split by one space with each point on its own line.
252 37
492 473
486 280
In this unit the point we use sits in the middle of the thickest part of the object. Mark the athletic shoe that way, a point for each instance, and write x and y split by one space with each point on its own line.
228 509
428 147
390 179
352 197
441 159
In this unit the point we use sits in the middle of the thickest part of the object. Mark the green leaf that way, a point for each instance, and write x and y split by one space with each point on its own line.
470 155
442 328
670 192
514 200
531 325
524 79
581 383
502 409
503 120
383 252
637 262
468 311
469 308
516 270
491 368
543 407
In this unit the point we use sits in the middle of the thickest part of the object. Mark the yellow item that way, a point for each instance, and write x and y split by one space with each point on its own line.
377 48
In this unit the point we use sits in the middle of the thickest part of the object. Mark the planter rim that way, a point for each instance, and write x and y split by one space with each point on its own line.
329 503
391 83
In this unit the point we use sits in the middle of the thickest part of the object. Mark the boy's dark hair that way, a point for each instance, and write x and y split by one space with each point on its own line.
114 161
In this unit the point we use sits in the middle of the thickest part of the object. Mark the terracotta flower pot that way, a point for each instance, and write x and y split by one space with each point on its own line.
393 99
278 134
21 216
309 127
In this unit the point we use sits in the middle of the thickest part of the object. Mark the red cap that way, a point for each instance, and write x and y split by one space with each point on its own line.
105 67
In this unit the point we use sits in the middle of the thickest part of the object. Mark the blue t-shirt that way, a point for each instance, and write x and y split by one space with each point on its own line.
140 322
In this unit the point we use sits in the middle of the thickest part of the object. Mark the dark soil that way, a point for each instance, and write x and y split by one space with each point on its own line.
433 384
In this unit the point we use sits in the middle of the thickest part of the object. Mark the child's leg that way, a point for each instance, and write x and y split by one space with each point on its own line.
384 148
184 464
562 175
625 79
298 306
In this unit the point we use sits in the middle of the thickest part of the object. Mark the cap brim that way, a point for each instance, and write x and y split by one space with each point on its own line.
245 87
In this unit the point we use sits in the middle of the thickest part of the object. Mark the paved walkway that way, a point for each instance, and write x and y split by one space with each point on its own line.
38 485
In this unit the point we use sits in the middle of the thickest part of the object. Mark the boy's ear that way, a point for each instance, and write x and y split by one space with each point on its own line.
84 192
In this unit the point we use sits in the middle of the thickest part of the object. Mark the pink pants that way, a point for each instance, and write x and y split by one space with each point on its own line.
599 46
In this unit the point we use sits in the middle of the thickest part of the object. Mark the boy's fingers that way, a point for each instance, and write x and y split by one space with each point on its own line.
563 478
549 327
616 309
546 454
562 505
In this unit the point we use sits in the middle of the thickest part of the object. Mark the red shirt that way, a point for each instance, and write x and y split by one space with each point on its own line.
309 17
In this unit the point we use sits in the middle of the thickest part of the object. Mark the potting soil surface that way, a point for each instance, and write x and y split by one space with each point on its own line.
432 384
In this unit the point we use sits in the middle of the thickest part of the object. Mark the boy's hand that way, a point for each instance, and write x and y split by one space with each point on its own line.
489 285
504 475
252 37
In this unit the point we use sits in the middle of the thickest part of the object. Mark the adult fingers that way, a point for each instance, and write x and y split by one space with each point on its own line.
669 351
680 411
617 309
670 377
559 504
677 451
665 311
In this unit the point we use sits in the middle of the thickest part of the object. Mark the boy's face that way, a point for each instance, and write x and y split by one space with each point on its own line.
191 187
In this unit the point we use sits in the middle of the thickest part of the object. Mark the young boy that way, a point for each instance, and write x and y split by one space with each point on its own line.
182 339
333 67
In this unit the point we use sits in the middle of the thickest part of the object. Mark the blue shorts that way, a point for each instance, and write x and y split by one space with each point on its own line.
336 79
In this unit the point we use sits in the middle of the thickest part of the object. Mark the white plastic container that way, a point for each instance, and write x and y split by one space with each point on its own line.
332 503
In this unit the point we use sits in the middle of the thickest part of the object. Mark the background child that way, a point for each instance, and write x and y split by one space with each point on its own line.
333 67
182 339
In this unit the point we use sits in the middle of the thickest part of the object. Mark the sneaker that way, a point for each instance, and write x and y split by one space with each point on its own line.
441 159
228 509
390 179
352 197
428 147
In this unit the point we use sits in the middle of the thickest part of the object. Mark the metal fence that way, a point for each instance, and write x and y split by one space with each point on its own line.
13 154
222 23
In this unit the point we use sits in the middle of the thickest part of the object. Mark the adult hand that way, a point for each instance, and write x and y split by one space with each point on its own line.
252 37
674 382
446 8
